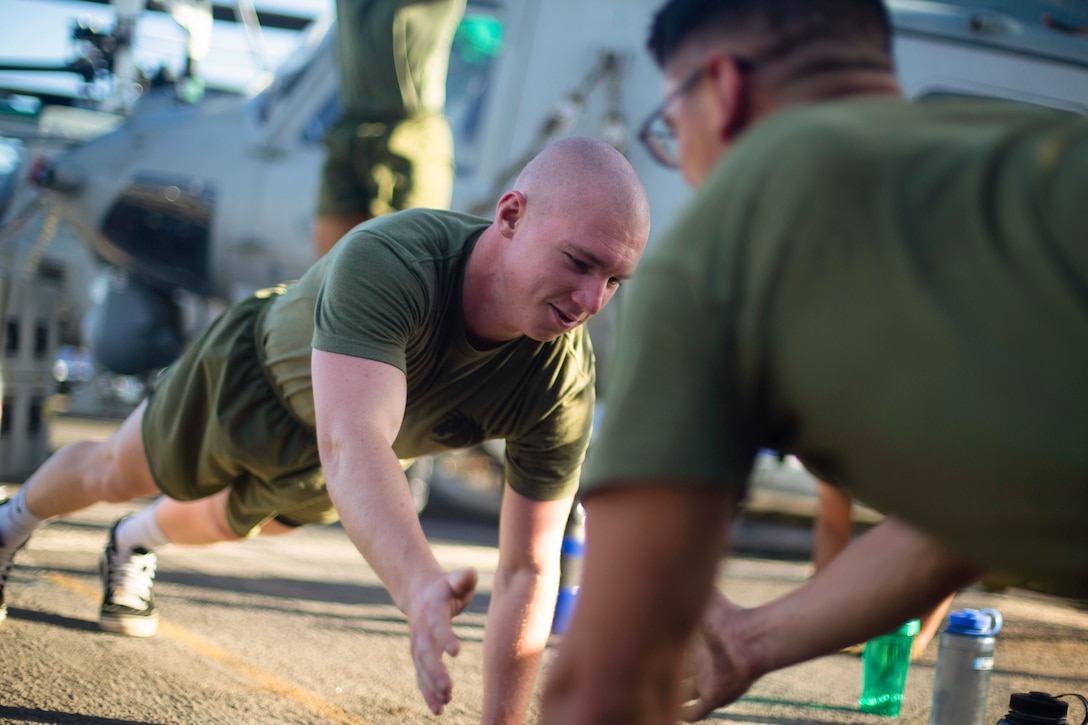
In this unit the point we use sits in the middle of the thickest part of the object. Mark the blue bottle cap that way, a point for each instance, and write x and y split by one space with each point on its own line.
975 622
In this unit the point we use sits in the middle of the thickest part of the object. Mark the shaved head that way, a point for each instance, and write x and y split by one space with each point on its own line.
575 172
565 237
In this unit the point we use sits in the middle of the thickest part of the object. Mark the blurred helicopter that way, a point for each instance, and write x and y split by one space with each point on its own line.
211 200
214 199
186 202
50 119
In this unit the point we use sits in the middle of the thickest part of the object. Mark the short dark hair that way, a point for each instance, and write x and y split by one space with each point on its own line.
793 22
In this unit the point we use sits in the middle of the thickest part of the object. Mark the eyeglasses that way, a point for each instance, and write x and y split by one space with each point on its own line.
656 134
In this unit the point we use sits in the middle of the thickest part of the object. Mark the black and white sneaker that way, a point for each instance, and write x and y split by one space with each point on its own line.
127 579
7 558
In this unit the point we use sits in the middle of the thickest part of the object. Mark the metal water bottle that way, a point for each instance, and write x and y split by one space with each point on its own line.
570 568
965 660
1039 708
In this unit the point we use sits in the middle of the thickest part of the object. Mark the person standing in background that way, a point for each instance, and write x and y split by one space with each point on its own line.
392 148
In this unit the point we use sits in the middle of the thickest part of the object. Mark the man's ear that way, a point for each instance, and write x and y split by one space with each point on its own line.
731 86
509 211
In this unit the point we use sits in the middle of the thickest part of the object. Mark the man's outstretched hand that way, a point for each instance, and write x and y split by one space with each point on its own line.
430 621
713 677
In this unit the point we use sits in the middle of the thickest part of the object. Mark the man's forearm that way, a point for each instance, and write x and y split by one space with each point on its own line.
884 578
379 517
359 405
651 555
518 625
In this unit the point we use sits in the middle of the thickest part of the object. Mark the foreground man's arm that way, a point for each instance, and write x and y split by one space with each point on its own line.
651 556
621 659
880 581
360 405
522 603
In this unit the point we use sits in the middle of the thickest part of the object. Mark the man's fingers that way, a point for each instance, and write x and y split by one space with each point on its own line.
435 699
695 710
432 677
688 690
428 692
433 636
462 583
437 696
444 637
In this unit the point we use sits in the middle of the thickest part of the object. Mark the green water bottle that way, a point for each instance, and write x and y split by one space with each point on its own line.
885 662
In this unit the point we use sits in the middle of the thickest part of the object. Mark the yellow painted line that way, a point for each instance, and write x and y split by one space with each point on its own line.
265 679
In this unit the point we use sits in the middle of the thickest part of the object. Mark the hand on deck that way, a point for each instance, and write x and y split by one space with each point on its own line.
713 674
430 620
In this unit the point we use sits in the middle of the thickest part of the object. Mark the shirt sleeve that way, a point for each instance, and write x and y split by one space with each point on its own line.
546 464
673 407
371 302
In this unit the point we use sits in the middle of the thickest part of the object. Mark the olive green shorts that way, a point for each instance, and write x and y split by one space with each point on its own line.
214 422
379 167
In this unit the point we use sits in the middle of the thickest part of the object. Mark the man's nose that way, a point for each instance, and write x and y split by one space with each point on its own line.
592 296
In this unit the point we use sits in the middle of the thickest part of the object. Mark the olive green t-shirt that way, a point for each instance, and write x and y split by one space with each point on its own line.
391 291
393 55
897 293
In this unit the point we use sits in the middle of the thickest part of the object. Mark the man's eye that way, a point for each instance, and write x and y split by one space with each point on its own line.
615 282
577 263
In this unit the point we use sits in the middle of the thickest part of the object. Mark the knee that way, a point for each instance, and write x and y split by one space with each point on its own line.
217 510
278 526
221 529
214 515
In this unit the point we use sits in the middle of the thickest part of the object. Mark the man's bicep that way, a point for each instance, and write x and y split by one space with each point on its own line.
651 555
370 303
675 403
530 531
352 394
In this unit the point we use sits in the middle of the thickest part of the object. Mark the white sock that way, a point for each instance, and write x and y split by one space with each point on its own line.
16 520
140 531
